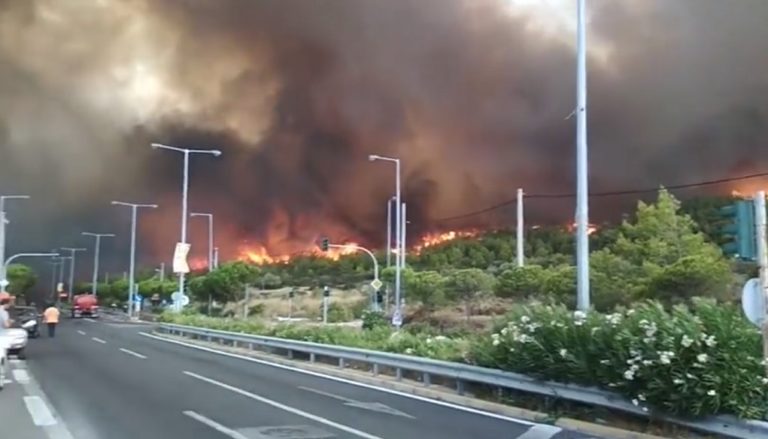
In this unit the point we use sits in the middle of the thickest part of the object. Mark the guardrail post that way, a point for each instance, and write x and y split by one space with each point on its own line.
234 343
341 363
290 354
426 378
460 387
375 369
312 357
399 374
250 346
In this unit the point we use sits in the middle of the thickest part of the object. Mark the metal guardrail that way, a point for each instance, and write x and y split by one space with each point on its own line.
464 373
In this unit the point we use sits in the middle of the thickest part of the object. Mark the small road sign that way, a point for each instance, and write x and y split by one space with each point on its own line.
753 302
376 284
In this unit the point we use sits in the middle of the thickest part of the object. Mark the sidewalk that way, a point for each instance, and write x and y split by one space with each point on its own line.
15 420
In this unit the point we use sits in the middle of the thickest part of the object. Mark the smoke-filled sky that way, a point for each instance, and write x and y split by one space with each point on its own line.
472 95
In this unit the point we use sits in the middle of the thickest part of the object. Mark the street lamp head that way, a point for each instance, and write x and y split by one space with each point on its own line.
373 158
216 152
156 145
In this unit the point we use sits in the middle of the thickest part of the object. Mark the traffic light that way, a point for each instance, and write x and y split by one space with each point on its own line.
292 293
739 230
326 292
379 297
325 244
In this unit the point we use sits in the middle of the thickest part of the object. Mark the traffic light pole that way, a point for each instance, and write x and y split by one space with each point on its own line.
762 259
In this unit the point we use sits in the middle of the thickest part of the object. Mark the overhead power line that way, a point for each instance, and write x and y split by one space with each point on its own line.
605 194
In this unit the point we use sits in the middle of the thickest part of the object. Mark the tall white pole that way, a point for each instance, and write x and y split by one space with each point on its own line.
131 279
3 220
72 252
95 281
582 188
398 238
520 229
389 230
215 257
184 191
210 243
401 256
762 259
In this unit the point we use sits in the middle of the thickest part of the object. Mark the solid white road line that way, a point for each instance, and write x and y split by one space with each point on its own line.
284 407
135 354
38 409
98 340
20 375
214 425
342 380
89 320
328 394
540 431
81 332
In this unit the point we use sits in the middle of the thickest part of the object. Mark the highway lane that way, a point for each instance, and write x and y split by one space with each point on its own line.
108 380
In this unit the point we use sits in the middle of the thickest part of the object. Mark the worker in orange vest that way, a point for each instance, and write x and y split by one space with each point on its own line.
51 318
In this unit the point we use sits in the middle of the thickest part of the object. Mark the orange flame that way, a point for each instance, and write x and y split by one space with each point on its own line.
434 239
259 255
591 228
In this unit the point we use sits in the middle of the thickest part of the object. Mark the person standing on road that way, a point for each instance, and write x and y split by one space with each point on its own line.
51 317
5 320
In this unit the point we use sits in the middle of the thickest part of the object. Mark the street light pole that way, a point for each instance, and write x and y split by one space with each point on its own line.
3 221
72 252
184 197
210 237
98 237
389 231
582 188
520 229
398 227
131 280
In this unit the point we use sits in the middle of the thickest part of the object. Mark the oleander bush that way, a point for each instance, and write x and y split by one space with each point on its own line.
699 360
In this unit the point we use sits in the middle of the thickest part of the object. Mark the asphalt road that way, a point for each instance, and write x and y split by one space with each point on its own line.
107 380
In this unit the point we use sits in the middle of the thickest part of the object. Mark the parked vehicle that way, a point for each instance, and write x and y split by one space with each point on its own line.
29 319
16 342
85 305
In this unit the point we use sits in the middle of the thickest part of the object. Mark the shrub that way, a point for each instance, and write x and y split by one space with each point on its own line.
697 361
338 313
521 282
374 319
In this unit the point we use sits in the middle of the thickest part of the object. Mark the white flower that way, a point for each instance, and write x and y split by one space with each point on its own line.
496 342
647 362
441 338
630 312
686 341
580 315
525 319
504 331
635 402
629 374
563 353
595 329
765 380
711 393
678 381
605 362
645 409
511 349
649 340
578 322
666 356
409 351
495 336
687 375
710 341
702 358
614 319
641 397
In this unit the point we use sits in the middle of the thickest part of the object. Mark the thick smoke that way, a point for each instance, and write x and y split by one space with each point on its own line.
473 95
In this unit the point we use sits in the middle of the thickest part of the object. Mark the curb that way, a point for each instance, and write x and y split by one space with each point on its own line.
384 381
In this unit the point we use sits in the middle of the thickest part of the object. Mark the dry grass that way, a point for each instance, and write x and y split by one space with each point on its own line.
306 303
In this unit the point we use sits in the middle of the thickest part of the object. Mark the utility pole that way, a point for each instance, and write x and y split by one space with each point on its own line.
389 231
520 229
98 237
215 257
162 272
184 200
3 222
72 252
582 180
132 267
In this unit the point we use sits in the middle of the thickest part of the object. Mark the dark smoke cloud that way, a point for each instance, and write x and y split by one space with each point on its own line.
473 95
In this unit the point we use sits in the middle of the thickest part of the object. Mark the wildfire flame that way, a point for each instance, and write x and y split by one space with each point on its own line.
591 228
259 254
433 239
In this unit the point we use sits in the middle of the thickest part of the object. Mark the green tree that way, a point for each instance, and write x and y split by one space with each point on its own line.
271 281
428 287
660 255
226 283
21 279
469 284
521 282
